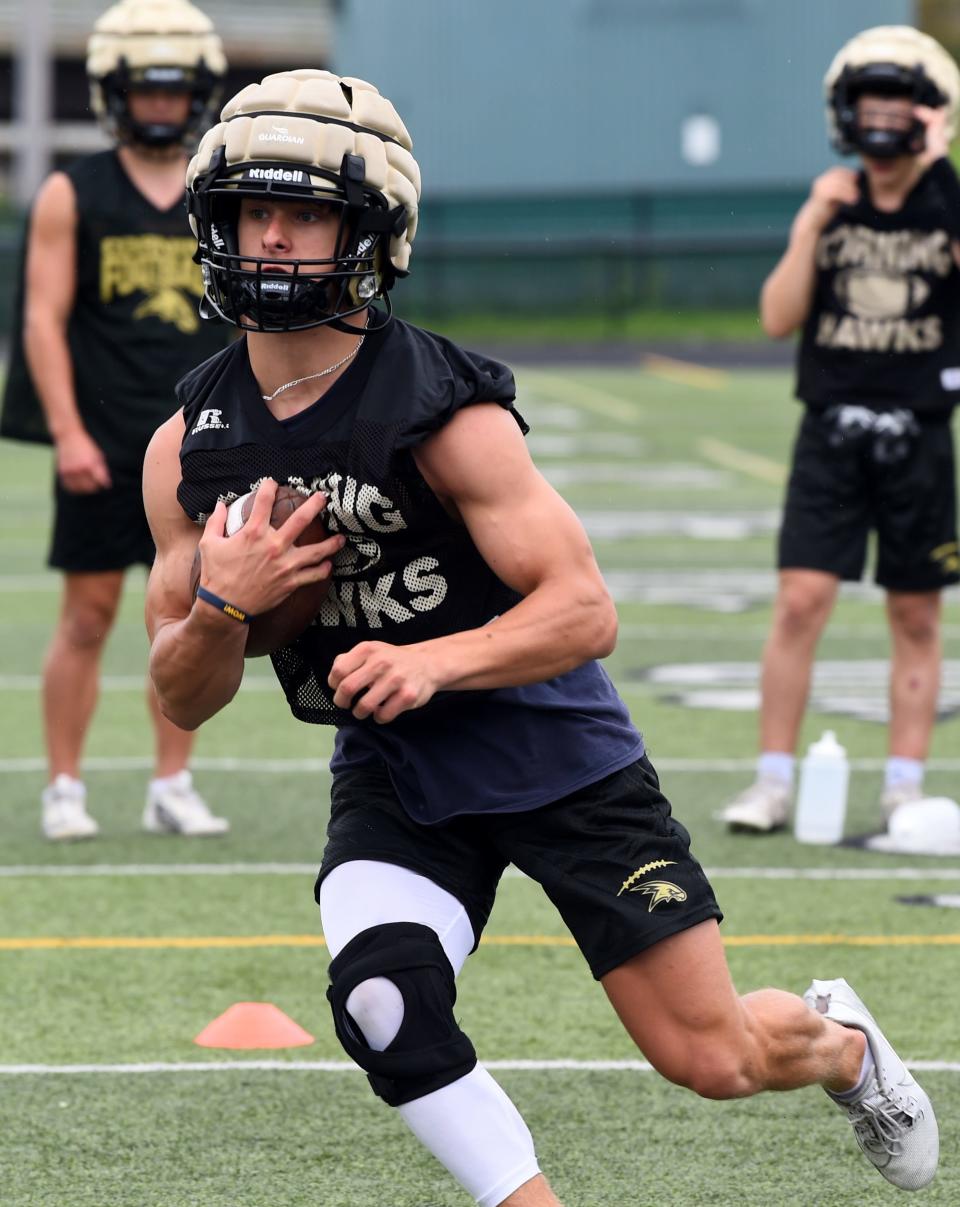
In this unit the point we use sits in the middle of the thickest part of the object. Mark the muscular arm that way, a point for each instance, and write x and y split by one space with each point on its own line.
478 465
49 298
788 291
196 652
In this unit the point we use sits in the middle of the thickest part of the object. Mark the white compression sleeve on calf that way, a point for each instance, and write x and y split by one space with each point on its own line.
476 1132
470 1126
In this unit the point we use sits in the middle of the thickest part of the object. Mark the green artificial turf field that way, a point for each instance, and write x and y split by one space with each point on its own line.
115 954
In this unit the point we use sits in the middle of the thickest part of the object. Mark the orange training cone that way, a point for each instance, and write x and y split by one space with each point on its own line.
253 1025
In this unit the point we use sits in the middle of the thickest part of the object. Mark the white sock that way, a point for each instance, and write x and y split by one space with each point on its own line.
475 1131
66 783
168 781
776 765
903 773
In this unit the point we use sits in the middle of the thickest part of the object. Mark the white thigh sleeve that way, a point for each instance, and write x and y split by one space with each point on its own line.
365 893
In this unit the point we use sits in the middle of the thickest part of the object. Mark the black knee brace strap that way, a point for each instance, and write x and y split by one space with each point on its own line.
429 1051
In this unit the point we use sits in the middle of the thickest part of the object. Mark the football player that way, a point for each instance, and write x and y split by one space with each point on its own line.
870 277
456 654
107 324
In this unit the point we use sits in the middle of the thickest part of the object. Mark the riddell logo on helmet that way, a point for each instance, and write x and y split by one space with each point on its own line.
279 134
287 175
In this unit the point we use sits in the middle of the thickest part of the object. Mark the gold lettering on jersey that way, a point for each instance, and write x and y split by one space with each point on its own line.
879 335
895 252
158 266
878 283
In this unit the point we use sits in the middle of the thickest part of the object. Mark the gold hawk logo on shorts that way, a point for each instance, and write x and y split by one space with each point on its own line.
159 267
948 556
657 890
660 891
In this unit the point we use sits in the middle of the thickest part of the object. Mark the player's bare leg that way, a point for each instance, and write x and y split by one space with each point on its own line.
535 1193
172 745
680 1007
914 671
72 665
805 599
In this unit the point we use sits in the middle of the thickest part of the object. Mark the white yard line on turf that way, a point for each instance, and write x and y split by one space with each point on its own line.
126 683
140 762
311 766
344 1066
16 871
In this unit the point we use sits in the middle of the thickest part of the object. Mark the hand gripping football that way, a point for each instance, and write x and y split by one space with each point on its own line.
285 622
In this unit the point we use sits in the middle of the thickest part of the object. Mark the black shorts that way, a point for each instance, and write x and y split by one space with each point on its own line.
849 479
610 857
103 531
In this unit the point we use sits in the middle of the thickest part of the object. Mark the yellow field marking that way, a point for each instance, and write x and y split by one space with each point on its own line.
148 942
200 942
842 940
685 372
751 464
589 397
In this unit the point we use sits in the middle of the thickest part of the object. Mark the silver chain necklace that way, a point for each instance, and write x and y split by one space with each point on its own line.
323 372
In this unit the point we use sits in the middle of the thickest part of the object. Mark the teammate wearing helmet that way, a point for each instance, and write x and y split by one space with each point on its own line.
109 324
455 653
871 279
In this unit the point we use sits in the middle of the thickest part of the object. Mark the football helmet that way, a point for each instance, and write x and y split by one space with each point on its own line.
295 136
154 44
888 60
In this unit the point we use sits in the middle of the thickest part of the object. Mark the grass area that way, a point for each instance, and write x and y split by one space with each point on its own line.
681 326
277 1138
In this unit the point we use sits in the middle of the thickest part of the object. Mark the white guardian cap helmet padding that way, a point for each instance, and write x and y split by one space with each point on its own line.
305 135
889 60
154 44
929 826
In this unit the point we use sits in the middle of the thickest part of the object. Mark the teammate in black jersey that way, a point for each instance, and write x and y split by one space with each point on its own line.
871 277
109 324
456 654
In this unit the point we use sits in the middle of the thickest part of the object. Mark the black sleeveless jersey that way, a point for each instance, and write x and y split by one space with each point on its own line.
134 330
408 571
884 325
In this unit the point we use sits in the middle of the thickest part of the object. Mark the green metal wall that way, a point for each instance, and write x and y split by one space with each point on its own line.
598 253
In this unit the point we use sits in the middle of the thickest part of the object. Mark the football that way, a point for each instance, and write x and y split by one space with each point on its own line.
284 623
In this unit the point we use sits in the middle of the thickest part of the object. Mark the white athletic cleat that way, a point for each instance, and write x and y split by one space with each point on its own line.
762 807
180 809
893 798
65 817
892 1118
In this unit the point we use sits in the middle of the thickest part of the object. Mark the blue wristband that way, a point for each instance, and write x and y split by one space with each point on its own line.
228 609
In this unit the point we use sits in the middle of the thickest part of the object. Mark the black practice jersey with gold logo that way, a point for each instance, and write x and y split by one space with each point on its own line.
134 329
884 325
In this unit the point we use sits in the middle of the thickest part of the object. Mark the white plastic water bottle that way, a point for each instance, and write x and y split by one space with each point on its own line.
822 796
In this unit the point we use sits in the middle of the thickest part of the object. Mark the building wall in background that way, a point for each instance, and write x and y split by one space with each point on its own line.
596 94
602 153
